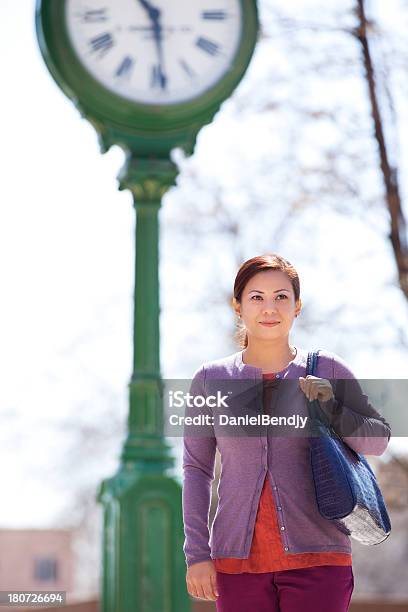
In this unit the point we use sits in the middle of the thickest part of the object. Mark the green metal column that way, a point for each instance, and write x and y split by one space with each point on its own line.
143 561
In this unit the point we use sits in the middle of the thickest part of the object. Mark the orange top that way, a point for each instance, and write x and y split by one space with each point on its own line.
267 553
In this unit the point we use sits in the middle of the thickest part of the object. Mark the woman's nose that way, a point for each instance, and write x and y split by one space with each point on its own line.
269 307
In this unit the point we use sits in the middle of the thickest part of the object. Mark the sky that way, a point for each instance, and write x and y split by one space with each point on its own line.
66 257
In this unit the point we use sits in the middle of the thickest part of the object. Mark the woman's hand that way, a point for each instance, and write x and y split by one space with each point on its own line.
201 580
316 388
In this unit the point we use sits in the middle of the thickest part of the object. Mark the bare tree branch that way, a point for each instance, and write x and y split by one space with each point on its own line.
398 234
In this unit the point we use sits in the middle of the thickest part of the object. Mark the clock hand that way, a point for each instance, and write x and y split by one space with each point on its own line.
153 12
157 33
154 16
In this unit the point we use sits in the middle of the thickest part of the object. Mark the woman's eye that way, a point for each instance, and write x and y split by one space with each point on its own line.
255 297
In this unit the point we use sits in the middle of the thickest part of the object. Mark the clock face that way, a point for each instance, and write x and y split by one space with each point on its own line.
155 51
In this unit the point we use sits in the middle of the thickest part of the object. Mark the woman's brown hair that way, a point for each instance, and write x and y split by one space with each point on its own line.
251 267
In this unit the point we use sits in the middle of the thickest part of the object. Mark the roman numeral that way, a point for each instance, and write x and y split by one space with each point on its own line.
208 46
215 15
157 78
102 43
187 69
95 16
125 67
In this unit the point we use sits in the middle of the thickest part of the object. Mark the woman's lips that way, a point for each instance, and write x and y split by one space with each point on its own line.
269 324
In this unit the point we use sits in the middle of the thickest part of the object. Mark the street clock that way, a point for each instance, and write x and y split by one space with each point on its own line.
148 74
160 67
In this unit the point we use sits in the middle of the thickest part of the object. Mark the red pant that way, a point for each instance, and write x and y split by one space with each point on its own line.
324 588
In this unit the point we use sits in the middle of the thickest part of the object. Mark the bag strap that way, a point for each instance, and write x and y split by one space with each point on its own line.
311 364
319 419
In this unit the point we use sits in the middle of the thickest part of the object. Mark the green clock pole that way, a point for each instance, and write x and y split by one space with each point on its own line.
143 533
143 565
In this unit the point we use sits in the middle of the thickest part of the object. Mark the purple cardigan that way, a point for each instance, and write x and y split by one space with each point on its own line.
246 460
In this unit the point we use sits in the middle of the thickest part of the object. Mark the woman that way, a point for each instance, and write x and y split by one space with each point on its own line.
269 549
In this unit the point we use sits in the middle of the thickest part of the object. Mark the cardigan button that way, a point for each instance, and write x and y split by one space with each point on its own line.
279 507
286 548
282 529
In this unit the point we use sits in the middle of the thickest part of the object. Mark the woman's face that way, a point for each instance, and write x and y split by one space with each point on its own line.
268 297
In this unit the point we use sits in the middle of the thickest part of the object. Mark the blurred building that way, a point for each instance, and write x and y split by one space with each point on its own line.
381 571
36 559
393 480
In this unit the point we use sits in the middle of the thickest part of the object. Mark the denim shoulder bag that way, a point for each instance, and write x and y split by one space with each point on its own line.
347 491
